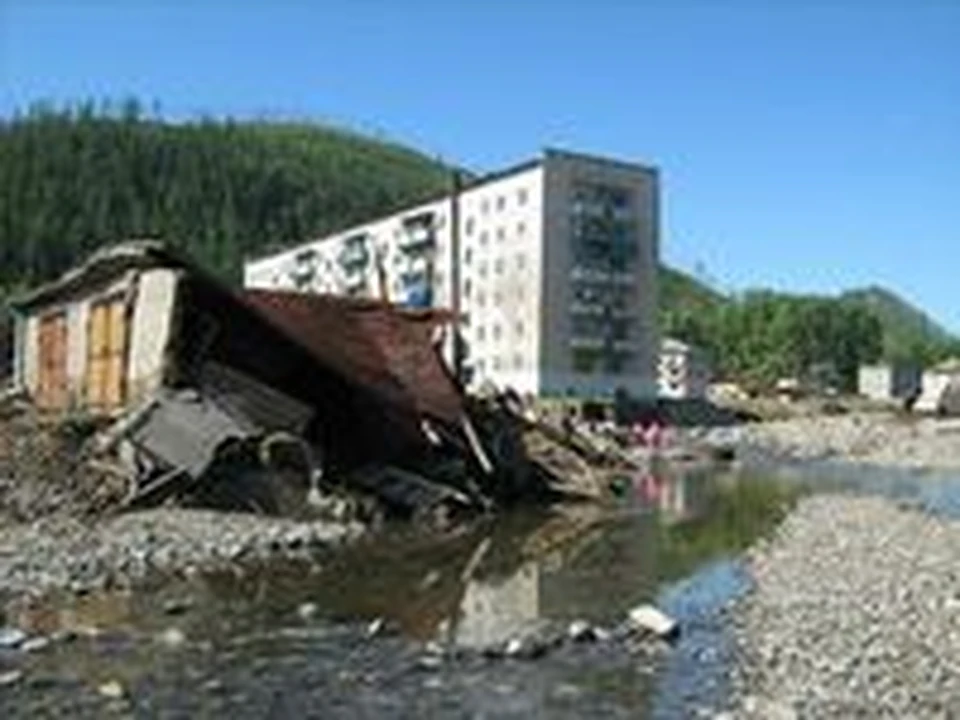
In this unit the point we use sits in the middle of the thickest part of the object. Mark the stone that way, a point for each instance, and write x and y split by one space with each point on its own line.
35 644
581 631
647 618
111 689
513 648
430 662
176 607
10 677
307 610
172 637
11 638
375 627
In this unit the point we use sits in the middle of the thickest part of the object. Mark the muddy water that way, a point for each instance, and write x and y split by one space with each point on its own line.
295 640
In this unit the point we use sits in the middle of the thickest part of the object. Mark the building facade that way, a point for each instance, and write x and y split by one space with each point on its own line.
887 383
682 370
556 264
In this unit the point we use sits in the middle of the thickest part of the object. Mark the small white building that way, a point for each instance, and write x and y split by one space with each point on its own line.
683 370
941 389
557 265
888 382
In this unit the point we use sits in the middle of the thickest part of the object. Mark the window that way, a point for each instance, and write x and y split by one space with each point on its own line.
482 269
481 298
522 196
496 362
518 361
481 333
483 238
466 288
484 206
467 256
501 234
479 365
521 228
501 202
498 266
521 261
468 227
497 298
519 328
496 331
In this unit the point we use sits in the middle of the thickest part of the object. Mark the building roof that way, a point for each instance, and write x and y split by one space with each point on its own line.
469 184
386 349
104 264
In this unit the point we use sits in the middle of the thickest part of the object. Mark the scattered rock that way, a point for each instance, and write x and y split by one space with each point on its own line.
647 618
430 662
11 638
173 637
10 677
177 607
375 627
111 689
35 644
581 631
307 610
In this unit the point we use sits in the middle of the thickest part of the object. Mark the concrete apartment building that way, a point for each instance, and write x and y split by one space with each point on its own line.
557 272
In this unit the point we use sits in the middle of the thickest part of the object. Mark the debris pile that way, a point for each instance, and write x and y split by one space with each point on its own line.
182 390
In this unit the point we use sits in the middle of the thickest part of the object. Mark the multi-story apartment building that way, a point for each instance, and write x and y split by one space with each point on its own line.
557 267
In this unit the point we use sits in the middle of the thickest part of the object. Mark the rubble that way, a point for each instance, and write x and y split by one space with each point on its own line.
279 403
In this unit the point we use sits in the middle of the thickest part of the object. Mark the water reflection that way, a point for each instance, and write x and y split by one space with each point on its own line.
487 583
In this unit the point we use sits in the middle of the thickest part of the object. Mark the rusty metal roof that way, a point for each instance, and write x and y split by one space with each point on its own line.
383 348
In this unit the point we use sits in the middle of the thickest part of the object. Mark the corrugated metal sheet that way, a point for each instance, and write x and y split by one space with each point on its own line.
385 349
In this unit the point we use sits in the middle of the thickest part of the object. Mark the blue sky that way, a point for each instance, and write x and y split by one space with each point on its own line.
805 145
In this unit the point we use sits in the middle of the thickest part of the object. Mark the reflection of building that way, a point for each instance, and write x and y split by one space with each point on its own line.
493 611
682 370
557 266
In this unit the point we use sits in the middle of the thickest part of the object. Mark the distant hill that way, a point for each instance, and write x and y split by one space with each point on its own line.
680 291
72 179
908 330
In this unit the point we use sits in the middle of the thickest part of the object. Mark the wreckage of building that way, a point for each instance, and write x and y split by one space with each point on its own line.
183 375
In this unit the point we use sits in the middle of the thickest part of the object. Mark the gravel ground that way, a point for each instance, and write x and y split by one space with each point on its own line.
874 438
855 613
64 553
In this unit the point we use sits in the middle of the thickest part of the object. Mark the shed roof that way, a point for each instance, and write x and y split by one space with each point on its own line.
386 349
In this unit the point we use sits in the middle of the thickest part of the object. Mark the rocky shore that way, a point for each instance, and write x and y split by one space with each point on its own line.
873 438
65 553
855 613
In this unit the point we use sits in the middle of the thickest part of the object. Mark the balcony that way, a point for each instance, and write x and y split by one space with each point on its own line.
354 256
417 238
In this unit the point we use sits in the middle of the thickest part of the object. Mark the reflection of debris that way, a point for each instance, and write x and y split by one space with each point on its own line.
247 400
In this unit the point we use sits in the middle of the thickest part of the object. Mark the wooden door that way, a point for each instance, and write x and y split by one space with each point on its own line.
52 390
106 355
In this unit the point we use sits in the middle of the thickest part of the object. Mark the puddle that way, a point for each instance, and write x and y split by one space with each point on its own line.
244 646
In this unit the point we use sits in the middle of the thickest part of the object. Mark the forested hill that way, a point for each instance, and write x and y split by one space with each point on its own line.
70 180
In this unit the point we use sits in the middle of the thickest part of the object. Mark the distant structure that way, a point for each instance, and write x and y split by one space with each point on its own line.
890 382
557 265
941 389
683 371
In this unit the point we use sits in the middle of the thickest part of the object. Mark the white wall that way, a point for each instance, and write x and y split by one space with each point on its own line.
150 330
